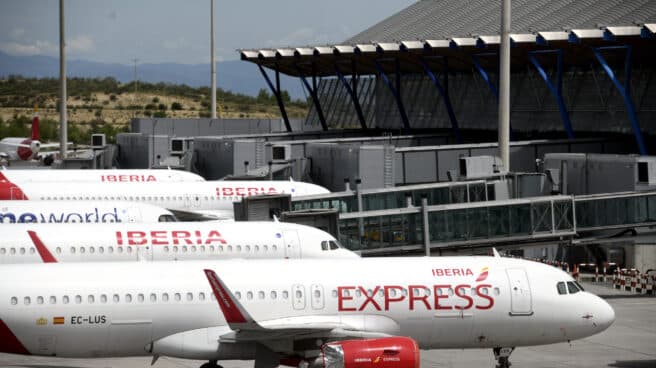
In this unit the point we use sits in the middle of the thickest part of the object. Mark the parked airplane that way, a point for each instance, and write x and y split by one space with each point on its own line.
107 176
187 201
29 243
293 312
25 149
12 212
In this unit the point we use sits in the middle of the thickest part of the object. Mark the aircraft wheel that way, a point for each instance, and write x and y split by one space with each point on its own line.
211 364
502 356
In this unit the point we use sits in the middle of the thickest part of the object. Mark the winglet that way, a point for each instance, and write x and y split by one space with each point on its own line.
45 254
234 313
495 253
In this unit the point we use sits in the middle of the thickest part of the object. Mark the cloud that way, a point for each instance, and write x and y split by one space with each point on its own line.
175 43
80 43
77 44
16 33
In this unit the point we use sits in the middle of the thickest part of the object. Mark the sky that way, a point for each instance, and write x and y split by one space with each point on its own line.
177 31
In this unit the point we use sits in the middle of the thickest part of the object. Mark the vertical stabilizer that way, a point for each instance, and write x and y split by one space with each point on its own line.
35 125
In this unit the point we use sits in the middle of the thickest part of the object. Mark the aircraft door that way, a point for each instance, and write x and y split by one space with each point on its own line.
317 296
134 215
298 296
129 337
520 292
292 244
144 253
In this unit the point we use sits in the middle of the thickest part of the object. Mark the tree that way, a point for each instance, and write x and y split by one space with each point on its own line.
263 96
176 106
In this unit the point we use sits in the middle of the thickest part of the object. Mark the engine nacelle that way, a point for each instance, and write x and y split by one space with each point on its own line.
389 352
202 344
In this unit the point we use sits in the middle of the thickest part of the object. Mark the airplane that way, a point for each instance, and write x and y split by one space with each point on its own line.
13 148
294 312
62 243
100 176
188 201
12 212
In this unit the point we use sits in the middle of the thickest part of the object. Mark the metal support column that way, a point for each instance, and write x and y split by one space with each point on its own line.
395 92
354 97
313 94
444 92
556 90
276 92
624 90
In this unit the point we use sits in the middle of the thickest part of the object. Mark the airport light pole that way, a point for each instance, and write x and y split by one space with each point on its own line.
63 122
504 86
212 60
136 84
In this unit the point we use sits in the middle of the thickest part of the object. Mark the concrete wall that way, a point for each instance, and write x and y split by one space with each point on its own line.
203 126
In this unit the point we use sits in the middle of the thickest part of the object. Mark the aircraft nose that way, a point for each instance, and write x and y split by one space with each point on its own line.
604 314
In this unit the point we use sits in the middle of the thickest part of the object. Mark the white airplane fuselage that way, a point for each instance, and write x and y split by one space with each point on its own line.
98 176
166 241
166 308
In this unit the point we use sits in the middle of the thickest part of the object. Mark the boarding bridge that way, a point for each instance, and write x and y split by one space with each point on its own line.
461 216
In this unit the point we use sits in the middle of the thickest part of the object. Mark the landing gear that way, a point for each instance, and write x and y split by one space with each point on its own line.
211 364
502 356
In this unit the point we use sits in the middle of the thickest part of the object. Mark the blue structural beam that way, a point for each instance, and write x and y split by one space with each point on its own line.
313 94
444 92
485 75
395 92
624 90
276 92
354 97
556 90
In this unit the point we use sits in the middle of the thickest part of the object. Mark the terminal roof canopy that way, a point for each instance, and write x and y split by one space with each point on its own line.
458 29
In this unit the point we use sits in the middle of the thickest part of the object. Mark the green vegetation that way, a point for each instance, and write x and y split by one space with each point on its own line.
20 126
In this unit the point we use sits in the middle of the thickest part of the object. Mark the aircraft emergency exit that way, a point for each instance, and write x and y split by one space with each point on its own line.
30 243
98 176
187 201
372 312
12 212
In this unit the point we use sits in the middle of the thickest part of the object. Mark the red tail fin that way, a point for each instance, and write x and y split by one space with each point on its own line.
35 125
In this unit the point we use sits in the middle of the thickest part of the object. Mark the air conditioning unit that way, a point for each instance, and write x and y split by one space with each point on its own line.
98 141
281 152
177 146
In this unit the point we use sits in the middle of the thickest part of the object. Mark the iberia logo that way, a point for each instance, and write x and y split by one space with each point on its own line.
377 359
483 275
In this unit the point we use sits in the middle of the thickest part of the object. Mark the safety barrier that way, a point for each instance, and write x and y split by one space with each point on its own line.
634 281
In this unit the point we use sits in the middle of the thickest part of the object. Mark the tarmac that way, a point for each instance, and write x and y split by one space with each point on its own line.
629 343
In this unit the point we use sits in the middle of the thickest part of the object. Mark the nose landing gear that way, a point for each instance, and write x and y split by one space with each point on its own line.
211 364
502 356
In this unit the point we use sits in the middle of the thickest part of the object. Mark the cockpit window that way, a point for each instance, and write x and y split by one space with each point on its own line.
579 285
561 288
166 218
571 286
324 245
333 245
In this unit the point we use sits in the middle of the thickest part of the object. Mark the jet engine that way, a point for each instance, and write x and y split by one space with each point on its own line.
388 352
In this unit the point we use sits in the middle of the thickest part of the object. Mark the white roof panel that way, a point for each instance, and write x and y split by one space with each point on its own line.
490 40
522 37
413 45
365 47
651 27
624 31
554 36
464 41
344 49
323 50
267 53
303 51
588 33
284 52
388 46
437 44
248 54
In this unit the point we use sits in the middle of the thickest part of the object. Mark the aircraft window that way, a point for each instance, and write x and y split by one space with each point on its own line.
333 245
483 291
562 290
101 250
211 248
381 293
201 296
285 294
14 300
274 295
190 297
184 248
39 300
238 295
177 297
193 248
166 249
462 290
168 198
12 251
92 249
317 294
497 291
256 248
450 291
392 292
82 249
358 293
334 293
52 299
165 297
260 295
140 298
265 248
415 291
324 245
220 248
119 249
238 248
153 297
299 294
91 299
78 299
175 249
150 198
404 292
26 300
247 248
573 289
65 299
249 295
31 250
129 249
128 298
274 248
579 285
229 248
202 248
103 298
3 250
116 298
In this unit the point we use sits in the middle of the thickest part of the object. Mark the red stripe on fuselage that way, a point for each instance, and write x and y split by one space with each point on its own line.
9 343
9 190
45 254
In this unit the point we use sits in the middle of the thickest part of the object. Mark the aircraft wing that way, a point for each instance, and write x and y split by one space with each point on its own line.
245 328
201 215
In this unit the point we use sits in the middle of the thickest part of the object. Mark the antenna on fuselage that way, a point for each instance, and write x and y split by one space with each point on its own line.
495 253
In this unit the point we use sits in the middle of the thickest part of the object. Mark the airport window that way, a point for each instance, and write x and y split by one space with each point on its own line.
238 295
91 299
190 297
260 295
201 296
27 300
52 299
165 297
128 298
572 288
153 297
78 299
177 297
249 295
39 300
562 290
103 298
116 298
14 300
140 298
274 295
65 299
285 294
